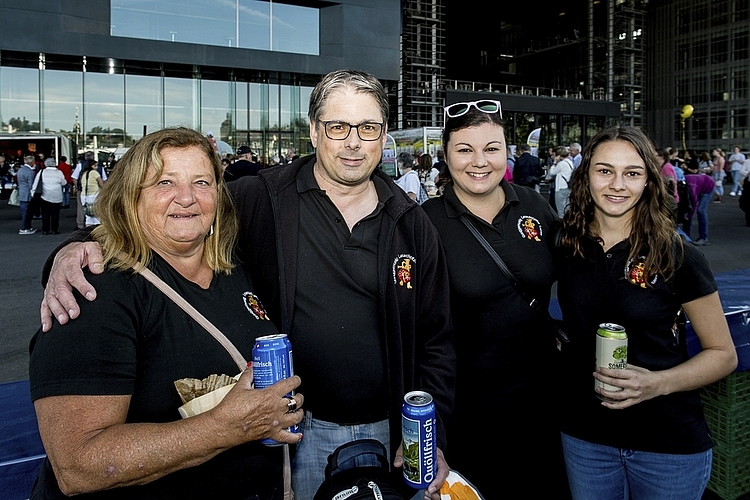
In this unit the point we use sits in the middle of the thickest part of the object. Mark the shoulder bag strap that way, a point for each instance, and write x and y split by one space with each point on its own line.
532 302
224 341
197 316
495 257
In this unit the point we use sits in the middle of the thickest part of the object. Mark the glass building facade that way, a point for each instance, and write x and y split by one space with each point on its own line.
109 104
106 72
247 24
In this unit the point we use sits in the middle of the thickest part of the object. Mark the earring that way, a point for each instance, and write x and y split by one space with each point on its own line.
210 231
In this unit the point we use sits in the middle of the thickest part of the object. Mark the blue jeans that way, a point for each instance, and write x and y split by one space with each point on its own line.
25 214
597 472
702 211
320 440
66 195
719 180
736 177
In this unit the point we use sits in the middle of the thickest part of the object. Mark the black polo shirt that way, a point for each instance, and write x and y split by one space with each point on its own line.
498 336
607 286
338 349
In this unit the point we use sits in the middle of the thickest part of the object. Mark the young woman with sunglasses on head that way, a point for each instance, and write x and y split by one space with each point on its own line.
503 359
621 261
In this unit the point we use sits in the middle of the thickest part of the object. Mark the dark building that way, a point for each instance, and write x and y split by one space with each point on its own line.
649 57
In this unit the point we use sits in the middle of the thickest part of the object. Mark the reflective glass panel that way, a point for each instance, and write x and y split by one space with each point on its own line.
295 29
104 109
62 102
143 108
178 102
226 23
19 99
217 108
254 29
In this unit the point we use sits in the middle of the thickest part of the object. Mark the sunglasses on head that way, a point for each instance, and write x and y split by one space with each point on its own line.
461 108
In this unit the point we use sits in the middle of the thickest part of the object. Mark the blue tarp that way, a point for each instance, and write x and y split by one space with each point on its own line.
21 451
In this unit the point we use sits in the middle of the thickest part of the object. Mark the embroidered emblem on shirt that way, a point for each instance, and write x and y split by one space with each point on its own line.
252 303
403 267
635 272
530 227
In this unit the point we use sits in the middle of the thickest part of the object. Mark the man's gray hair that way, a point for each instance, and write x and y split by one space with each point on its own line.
360 81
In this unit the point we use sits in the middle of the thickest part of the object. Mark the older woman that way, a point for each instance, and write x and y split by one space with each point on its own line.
503 350
103 386
621 261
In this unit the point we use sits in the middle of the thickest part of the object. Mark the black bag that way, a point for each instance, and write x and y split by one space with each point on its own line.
343 479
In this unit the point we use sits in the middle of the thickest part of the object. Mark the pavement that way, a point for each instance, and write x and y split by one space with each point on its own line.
24 255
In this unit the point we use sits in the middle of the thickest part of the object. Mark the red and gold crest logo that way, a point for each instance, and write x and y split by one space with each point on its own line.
530 228
403 269
635 272
252 303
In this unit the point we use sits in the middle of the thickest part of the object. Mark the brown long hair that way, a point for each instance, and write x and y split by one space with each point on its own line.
652 230
120 233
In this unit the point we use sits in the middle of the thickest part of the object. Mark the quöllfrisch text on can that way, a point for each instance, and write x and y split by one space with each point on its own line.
419 433
272 362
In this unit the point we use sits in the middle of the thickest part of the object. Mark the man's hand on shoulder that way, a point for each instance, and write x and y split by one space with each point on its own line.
67 273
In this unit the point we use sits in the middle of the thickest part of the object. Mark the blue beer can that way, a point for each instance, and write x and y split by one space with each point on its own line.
272 362
418 429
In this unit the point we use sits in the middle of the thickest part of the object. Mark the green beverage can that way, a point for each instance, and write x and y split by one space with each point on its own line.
611 352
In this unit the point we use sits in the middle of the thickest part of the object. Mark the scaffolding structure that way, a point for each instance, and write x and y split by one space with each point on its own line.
627 57
420 91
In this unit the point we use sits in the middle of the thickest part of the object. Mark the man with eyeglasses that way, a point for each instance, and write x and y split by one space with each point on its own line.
351 269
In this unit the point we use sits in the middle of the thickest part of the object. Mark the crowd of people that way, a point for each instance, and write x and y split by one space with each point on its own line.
383 289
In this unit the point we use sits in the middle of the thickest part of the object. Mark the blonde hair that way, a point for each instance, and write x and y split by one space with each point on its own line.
123 241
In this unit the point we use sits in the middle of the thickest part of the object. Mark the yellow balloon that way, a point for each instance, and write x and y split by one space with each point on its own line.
687 111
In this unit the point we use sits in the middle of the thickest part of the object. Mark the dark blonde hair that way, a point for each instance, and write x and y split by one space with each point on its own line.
652 229
123 241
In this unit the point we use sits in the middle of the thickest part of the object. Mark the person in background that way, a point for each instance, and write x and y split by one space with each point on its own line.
620 261
350 268
242 166
575 154
705 165
745 200
53 182
108 408
5 175
668 170
25 178
701 190
718 174
409 180
528 170
548 164
91 184
736 161
66 170
562 173
75 175
498 335
438 166
425 166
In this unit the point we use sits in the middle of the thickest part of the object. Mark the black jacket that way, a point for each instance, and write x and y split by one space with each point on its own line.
415 322
528 170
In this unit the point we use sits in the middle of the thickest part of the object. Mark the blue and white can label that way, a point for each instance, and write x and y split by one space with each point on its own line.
272 362
418 428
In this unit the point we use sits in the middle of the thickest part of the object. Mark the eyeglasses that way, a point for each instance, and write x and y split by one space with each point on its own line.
461 108
367 131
